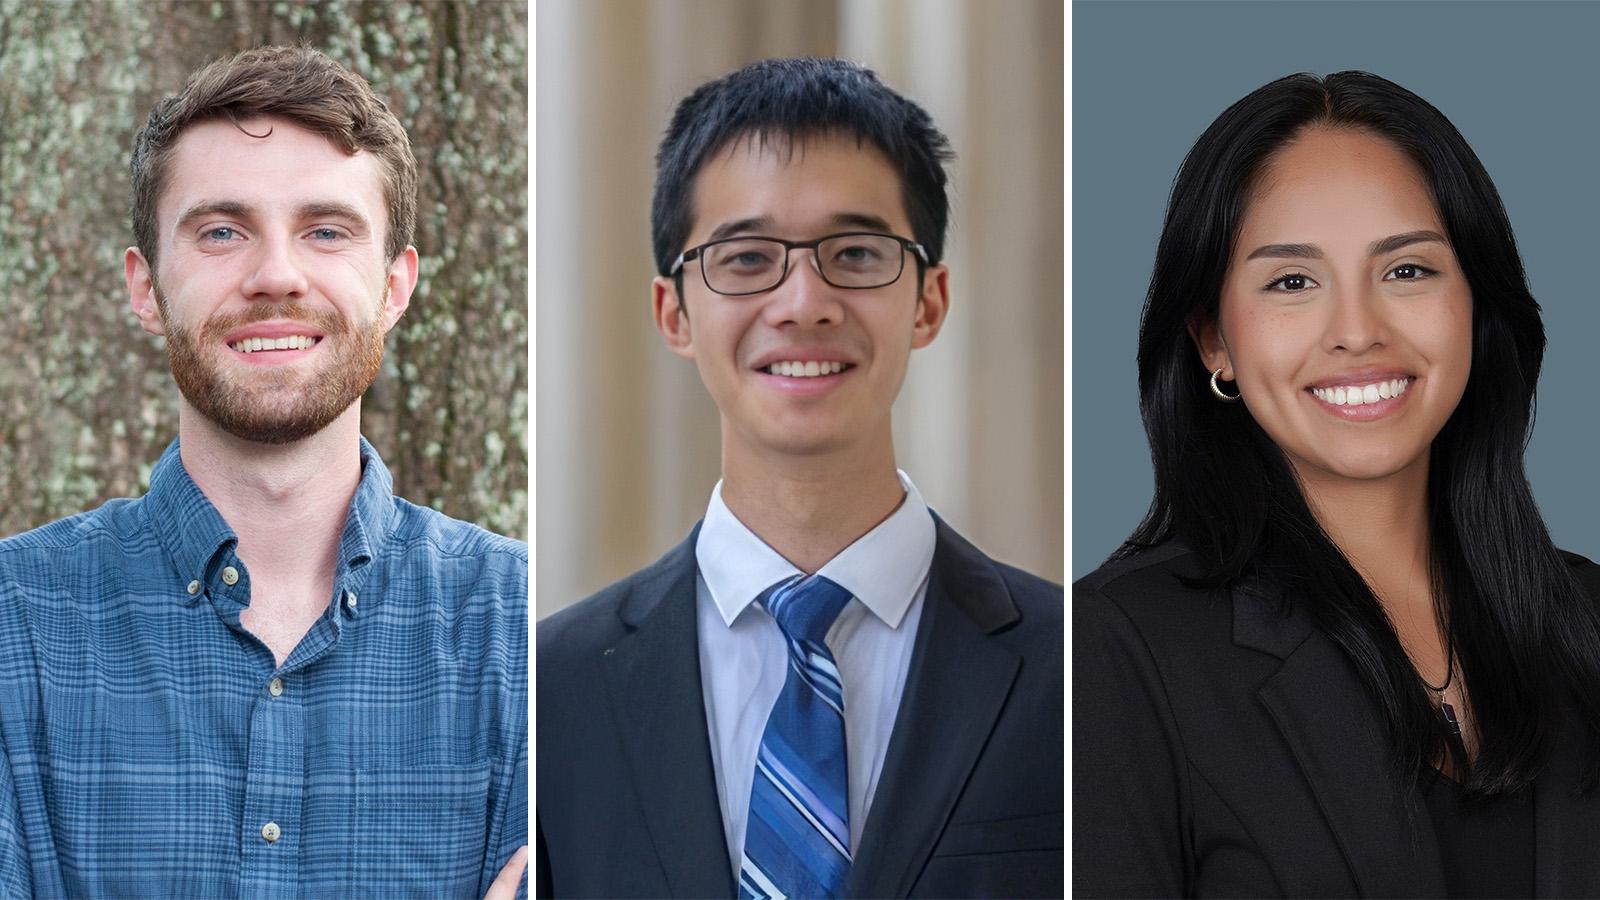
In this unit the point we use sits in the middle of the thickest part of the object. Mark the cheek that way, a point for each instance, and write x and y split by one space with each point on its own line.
1445 335
1262 345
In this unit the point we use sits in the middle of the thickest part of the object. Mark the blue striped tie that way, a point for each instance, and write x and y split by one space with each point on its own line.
797 841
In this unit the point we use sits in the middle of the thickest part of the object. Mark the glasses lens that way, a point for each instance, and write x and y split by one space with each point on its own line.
743 266
860 260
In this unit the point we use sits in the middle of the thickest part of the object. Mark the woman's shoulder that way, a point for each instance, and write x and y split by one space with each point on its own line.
1156 586
1164 574
1161 595
1584 571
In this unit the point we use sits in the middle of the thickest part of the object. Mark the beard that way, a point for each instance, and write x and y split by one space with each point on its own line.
274 405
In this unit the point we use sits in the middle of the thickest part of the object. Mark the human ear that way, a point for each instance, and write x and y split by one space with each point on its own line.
402 280
933 304
142 291
1212 346
671 319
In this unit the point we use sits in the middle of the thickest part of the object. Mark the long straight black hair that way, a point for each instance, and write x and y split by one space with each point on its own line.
1522 628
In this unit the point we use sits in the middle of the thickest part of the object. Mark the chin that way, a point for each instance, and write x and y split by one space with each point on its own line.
1364 466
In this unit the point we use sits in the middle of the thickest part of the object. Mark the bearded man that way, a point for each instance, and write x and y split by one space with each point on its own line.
267 677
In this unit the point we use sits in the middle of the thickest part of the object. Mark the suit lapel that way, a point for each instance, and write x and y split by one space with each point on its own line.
653 676
1337 739
956 687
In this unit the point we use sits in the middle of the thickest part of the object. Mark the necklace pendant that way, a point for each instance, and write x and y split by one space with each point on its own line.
1450 717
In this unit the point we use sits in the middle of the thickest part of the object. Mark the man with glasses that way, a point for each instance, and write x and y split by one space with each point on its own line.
824 690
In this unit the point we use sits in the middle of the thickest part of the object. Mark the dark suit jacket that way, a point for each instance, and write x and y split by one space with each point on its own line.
969 802
1222 749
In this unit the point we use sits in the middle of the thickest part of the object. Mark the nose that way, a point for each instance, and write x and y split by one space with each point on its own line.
1357 322
803 298
274 274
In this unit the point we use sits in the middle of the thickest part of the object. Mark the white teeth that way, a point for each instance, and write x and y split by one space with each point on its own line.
293 342
811 369
1360 395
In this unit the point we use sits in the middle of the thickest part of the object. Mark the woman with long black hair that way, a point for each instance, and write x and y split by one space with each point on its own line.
1341 655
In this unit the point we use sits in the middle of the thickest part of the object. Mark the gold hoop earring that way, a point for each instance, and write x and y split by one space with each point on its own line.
1218 391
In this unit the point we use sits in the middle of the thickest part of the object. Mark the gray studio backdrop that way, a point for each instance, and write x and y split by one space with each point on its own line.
1517 79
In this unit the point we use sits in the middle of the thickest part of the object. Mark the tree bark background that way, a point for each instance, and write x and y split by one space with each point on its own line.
87 402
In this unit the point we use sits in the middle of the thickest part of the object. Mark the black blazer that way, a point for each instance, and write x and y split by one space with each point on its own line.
1221 749
969 801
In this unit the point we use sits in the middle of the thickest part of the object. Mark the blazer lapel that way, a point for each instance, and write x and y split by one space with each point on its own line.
1335 735
1566 826
955 689
653 676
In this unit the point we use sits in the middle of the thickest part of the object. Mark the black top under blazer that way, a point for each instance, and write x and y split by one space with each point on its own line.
969 800
1222 749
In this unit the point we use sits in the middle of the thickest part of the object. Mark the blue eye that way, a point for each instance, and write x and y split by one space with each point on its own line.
221 233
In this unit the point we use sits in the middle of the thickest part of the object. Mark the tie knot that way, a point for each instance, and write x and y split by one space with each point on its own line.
805 607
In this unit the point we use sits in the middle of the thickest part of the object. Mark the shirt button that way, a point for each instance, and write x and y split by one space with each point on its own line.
275 687
194 588
230 575
350 599
270 832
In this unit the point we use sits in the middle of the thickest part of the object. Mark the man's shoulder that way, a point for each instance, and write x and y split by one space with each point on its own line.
1039 599
115 521
599 619
593 620
421 527
471 570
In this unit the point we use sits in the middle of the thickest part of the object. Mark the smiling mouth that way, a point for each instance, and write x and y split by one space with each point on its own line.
292 342
1362 394
810 369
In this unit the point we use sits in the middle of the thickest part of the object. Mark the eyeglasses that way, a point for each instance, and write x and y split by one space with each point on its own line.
857 260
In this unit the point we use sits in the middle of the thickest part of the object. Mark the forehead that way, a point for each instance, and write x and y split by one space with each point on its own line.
269 164
1333 184
800 183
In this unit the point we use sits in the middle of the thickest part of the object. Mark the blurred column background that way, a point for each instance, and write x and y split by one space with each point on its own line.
86 400
628 446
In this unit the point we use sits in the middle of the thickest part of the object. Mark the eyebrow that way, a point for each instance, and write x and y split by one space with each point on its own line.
1311 251
861 220
205 209
236 210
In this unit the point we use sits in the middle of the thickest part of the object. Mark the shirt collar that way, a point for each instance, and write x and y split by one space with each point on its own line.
883 568
195 536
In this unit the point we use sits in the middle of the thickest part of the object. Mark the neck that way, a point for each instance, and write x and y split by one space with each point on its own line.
1380 525
285 502
808 507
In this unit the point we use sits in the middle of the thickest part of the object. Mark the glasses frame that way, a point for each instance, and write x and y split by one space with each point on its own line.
789 246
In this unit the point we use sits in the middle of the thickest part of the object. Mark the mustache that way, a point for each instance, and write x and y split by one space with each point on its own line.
326 321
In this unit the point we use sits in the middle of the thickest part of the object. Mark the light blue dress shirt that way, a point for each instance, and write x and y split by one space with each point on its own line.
744 658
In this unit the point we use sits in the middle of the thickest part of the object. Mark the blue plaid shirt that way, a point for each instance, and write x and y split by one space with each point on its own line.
150 746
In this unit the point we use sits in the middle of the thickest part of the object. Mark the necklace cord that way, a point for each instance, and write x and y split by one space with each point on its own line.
1450 670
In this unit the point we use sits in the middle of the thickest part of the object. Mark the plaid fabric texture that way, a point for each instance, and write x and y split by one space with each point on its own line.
150 746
